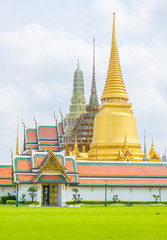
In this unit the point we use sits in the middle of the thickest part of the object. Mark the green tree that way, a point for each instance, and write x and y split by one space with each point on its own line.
156 197
115 198
32 192
23 198
76 196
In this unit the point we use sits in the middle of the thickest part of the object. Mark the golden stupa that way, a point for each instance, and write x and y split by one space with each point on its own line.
115 133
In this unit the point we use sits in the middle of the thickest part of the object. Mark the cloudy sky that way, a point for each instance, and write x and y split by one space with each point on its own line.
41 40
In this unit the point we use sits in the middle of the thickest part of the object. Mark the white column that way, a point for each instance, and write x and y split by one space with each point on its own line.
61 195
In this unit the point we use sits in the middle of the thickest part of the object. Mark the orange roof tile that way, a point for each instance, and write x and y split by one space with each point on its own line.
5 171
124 181
124 170
5 182
48 132
32 135
24 165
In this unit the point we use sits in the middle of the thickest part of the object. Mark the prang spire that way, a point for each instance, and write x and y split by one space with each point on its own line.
114 86
93 101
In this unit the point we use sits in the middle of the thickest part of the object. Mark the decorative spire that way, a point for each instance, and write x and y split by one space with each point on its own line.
35 122
75 150
17 140
152 150
93 101
114 86
78 65
145 155
55 118
125 142
24 141
145 151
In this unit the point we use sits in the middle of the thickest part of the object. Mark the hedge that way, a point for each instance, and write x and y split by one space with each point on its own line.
5 198
118 202
13 202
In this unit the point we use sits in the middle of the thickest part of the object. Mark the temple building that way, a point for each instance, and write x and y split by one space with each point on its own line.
114 162
78 103
82 131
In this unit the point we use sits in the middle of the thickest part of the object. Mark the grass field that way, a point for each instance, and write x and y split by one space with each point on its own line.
86 222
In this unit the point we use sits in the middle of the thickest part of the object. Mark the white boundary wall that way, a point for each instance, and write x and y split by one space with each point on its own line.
4 190
124 193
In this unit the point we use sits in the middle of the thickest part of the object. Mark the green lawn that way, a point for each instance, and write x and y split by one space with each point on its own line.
86 222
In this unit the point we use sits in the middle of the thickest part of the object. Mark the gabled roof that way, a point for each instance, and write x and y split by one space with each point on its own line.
38 157
51 170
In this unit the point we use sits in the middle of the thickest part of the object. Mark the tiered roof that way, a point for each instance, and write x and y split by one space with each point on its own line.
44 138
45 167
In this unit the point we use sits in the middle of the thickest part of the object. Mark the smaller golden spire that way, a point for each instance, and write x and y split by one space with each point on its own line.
75 150
17 140
125 142
152 150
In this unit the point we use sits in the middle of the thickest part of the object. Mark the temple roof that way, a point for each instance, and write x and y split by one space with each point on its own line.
5 174
45 167
43 138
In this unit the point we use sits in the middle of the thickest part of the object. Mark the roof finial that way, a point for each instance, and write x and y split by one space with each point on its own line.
35 121
11 154
55 118
61 115
17 140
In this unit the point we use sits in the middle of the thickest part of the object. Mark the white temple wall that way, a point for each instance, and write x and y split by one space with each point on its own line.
23 189
4 190
124 193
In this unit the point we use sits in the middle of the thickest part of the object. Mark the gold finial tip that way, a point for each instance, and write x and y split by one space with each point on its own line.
113 13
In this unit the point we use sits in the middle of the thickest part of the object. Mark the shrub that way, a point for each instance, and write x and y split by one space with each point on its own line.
11 202
115 198
156 197
23 198
76 196
9 197
29 203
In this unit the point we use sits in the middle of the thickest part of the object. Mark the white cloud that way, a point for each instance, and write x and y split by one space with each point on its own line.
38 62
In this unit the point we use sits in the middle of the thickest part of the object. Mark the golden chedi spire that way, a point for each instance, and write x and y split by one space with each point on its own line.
153 156
17 140
115 117
114 86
